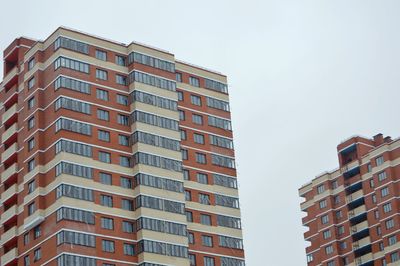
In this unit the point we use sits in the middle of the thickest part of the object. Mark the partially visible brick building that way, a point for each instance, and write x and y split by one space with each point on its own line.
114 155
353 211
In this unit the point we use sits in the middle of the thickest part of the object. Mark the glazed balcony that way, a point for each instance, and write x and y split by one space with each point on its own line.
357 211
9 257
9 172
361 243
363 260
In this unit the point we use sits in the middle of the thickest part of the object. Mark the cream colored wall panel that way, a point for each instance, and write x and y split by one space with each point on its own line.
136 47
158 172
163 260
138 126
212 188
219 230
200 72
162 237
141 147
214 209
153 90
148 108
206 92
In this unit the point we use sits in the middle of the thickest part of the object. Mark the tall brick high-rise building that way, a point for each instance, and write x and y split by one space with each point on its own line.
114 154
353 211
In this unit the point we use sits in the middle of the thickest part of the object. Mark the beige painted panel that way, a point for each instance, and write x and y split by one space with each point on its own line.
200 72
153 90
136 47
9 132
10 75
8 172
162 237
8 214
210 93
11 191
213 209
9 256
8 235
141 147
212 188
10 151
158 171
138 126
10 112
219 230
155 110
163 260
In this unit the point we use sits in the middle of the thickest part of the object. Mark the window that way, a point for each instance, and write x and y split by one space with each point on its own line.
188 195
31 144
201 158
152 80
122 99
381 246
204 199
336 199
320 189
31 63
384 192
228 221
103 115
162 248
104 157
342 245
127 204
75 215
328 249
31 83
126 182
103 135
381 176
156 161
197 119
181 115
74 192
31 102
119 79
71 64
72 84
192 260
217 104
389 223
206 241
394 256
194 81
222 161
324 219
189 216
196 100
219 122
161 226
378 230
123 140
186 174
202 178
215 85
31 208
123 120
37 254
101 74
208 261
107 223
205 219
71 45
102 94
178 76
136 57
73 126
226 201
101 55
340 230
376 214
105 178
67 260
371 183
387 207
128 227
124 161
75 238
106 200
31 186
158 121
129 249
27 261
330 263
198 138
225 181
327 234
379 160
180 95
73 105
230 242
155 140
338 214
184 154
120 60
108 246
31 122
334 184
74 169
191 238
37 232
322 204
183 134
31 165
392 240
373 198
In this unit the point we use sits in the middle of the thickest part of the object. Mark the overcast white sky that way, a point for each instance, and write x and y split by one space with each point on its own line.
303 76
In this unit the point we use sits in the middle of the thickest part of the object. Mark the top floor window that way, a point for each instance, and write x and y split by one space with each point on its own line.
101 55
194 81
